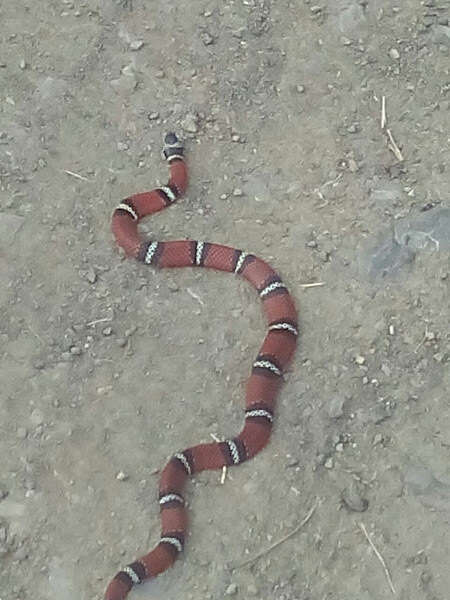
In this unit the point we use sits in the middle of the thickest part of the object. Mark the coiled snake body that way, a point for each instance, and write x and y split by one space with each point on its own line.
262 386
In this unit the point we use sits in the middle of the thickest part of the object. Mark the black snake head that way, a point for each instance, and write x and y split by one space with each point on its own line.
173 146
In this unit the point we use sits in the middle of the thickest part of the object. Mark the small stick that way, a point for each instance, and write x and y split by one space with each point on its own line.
383 112
380 558
393 146
195 296
105 320
284 539
76 175
224 469
423 339
311 285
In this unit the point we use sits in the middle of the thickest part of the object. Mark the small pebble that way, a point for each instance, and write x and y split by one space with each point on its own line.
394 53
76 350
136 45
231 589
153 116
360 360
353 500
37 417
335 408
173 286
237 192
378 438
391 330
190 123
91 275
386 370
121 476
300 89
207 38
23 64
21 553
329 463
103 390
107 331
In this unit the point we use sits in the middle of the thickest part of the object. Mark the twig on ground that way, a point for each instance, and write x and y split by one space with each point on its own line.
393 146
105 320
284 539
76 175
425 336
311 285
195 296
383 112
380 558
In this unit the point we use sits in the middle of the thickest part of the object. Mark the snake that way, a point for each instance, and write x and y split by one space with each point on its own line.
262 386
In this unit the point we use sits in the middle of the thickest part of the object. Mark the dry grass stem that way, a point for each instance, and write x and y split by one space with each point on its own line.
393 146
105 320
195 296
284 539
380 558
383 112
76 175
311 285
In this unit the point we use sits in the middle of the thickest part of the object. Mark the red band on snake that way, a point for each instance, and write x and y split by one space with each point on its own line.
262 386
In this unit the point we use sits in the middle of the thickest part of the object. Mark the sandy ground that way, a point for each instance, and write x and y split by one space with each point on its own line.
108 367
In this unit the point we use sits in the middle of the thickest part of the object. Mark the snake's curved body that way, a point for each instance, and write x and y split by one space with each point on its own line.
262 386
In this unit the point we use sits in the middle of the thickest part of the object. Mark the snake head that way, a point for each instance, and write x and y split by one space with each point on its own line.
173 146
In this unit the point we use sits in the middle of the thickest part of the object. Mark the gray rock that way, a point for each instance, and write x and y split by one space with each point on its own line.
429 230
190 123
231 589
353 498
335 408
431 492
136 45
397 247
387 257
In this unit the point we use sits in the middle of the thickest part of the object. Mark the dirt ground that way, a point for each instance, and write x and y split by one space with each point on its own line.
109 367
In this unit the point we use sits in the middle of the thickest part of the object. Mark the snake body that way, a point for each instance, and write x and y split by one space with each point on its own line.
262 386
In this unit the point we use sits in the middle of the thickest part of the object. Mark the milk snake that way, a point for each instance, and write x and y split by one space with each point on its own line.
262 386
